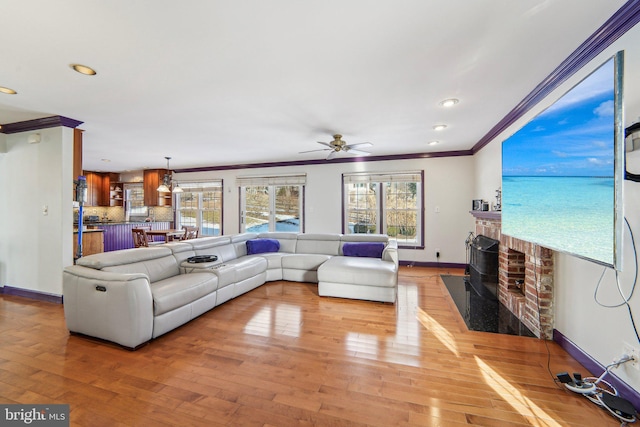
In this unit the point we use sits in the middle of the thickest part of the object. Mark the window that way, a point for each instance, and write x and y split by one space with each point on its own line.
272 203
135 200
387 203
200 205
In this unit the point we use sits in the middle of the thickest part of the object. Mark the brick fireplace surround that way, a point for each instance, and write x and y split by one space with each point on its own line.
524 262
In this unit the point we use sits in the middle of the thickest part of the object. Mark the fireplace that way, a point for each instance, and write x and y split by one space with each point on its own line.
525 275
483 266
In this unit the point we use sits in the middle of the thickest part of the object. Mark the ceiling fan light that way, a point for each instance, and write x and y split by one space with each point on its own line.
7 90
83 69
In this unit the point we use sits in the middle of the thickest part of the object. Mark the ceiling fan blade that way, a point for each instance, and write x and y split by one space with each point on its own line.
325 143
358 152
359 144
313 151
332 155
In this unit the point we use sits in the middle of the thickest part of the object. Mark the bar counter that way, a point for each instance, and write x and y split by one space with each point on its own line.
117 235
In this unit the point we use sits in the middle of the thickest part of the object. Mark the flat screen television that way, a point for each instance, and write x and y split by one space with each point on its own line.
562 173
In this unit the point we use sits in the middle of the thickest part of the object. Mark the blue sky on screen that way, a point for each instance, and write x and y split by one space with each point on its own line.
573 137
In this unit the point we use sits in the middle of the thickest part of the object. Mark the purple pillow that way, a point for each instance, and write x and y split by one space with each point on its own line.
363 249
260 246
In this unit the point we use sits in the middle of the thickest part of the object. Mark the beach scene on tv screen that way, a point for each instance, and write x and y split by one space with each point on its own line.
558 173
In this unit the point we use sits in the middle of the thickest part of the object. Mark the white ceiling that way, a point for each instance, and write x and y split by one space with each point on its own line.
227 82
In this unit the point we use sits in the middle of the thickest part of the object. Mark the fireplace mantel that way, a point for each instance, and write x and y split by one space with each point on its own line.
487 214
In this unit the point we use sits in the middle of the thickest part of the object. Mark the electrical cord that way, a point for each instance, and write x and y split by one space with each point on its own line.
625 299
602 387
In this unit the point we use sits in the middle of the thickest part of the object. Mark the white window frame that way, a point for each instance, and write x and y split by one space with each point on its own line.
380 179
199 188
271 182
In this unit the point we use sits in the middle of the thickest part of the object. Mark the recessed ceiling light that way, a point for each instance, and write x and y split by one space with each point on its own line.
433 142
439 127
105 160
83 69
7 90
449 102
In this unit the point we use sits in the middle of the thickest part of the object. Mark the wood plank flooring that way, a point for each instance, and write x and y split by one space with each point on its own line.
282 356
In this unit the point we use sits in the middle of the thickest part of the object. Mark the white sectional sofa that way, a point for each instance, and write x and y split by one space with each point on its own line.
134 295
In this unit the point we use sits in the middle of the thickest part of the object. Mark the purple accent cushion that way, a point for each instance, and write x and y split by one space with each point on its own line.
363 249
260 246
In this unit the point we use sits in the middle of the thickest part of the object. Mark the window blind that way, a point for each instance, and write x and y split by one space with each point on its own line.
367 177
255 181
200 187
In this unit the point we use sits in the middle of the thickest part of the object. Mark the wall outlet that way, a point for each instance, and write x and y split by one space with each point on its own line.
437 253
633 352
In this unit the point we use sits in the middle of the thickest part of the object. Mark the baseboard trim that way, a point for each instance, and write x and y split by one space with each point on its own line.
433 264
595 367
29 293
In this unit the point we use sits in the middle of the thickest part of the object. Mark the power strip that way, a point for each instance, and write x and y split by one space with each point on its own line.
583 388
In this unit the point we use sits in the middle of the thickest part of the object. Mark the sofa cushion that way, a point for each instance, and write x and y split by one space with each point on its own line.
358 270
309 262
247 267
155 268
287 239
180 290
363 249
260 246
327 244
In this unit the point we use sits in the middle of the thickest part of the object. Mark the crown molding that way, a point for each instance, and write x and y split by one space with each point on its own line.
42 123
332 161
620 22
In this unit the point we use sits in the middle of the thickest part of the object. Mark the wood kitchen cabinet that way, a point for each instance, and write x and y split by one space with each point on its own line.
92 242
99 188
95 189
77 153
152 179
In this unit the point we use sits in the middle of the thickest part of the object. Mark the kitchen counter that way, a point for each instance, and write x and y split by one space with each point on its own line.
117 235
119 222
89 230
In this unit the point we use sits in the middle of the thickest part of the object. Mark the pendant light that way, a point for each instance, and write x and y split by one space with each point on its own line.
165 187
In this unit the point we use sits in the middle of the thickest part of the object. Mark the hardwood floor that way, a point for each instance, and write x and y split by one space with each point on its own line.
282 356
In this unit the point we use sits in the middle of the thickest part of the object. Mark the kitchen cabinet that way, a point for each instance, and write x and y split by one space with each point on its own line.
116 193
95 189
152 179
77 153
92 242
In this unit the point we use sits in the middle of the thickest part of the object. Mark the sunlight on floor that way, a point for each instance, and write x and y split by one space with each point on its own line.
523 405
285 321
441 333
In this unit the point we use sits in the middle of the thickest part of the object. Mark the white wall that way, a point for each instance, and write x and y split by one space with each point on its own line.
598 331
448 186
35 247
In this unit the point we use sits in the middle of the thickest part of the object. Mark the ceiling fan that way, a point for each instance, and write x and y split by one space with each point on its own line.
338 145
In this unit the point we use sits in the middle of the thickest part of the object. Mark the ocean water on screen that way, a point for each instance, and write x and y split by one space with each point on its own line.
569 214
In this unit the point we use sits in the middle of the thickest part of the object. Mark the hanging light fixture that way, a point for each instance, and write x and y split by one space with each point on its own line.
165 187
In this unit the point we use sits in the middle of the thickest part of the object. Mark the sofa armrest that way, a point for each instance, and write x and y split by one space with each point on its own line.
112 306
390 252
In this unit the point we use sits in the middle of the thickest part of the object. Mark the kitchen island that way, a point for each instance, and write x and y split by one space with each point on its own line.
117 235
92 241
